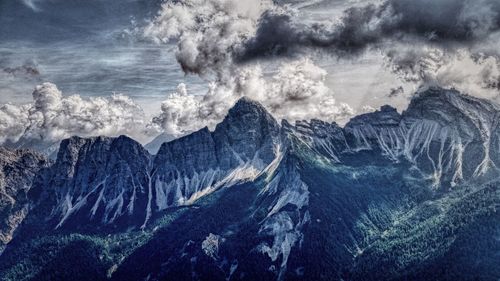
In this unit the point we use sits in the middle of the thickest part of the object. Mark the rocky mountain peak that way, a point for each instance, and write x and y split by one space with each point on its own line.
248 116
248 128
445 106
116 181
75 147
247 105
314 128
114 178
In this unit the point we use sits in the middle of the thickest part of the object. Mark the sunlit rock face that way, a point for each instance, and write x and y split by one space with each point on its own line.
389 196
342 194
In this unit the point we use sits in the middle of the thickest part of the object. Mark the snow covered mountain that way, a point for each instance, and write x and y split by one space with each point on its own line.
388 197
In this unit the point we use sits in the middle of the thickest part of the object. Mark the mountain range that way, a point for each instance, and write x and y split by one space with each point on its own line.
388 196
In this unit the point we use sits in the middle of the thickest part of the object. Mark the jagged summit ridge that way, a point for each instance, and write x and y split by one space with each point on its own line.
448 105
437 132
249 129
113 180
98 179
116 181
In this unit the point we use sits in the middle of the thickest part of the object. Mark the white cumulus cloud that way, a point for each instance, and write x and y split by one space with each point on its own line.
207 32
53 117
474 73
297 91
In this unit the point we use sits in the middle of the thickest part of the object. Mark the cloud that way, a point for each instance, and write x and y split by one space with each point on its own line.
446 20
280 32
395 92
52 117
24 70
448 43
32 4
477 74
13 122
207 31
296 92
425 42
447 23
213 35
181 113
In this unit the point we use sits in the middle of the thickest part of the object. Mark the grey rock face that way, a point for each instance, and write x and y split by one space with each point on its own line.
439 130
240 147
370 130
116 181
324 138
99 179
18 168
247 130
462 129
386 116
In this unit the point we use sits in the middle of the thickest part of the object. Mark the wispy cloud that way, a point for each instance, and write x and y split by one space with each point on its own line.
32 4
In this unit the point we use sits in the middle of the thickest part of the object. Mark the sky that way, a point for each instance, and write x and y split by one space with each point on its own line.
149 67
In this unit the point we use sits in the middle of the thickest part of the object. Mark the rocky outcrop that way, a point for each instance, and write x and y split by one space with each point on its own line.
18 169
98 180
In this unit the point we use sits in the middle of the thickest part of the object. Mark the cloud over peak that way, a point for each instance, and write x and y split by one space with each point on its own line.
449 43
296 92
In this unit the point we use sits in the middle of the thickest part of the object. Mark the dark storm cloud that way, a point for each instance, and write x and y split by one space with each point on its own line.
280 34
446 20
446 23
